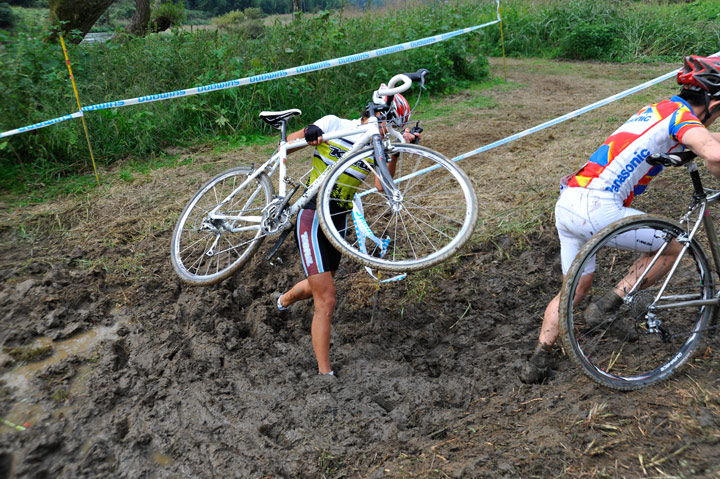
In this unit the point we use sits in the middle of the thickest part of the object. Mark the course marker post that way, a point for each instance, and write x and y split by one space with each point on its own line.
82 117
502 41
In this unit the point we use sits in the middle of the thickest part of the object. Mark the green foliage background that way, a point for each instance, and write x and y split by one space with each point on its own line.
607 30
35 84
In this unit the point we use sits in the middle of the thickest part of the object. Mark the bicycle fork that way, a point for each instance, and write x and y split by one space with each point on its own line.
384 176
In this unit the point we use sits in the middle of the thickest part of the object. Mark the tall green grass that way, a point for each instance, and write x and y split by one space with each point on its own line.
607 30
35 85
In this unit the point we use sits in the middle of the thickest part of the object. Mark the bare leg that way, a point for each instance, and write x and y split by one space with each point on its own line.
299 292
657 272
323 293
551 320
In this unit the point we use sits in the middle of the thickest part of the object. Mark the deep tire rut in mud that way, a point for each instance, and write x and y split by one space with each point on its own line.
147 377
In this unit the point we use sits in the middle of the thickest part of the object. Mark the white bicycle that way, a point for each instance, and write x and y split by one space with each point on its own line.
413 221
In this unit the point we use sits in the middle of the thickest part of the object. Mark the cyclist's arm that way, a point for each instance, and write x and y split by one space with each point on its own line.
296 135
300 134
706 145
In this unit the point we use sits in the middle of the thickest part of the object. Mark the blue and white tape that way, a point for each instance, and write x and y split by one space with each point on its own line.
42 124
549 123
290 71
299 70
363 233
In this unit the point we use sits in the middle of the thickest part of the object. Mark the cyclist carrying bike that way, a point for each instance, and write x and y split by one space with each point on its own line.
319 258
603 189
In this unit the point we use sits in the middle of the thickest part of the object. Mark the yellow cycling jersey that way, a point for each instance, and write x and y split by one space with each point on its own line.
329 152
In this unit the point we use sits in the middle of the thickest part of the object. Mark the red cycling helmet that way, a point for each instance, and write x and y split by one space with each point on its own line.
400 113
701 74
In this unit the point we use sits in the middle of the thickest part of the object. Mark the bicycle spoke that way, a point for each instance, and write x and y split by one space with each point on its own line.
233 240
638 342
418 218
424 235
452 220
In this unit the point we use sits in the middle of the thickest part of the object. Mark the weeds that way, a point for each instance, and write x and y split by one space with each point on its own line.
59 395
28 353
37 87
607 30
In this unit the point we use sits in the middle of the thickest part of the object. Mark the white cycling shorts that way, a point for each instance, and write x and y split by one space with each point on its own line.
580 213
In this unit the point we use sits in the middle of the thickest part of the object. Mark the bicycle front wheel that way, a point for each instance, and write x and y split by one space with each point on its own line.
650 335
219 231
432 214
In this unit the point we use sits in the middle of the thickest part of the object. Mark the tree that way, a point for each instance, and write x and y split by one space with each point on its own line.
72 15
140 20
166 15
7 19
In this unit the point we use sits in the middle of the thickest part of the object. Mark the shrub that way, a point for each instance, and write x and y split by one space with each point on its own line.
230 20
167 15
644 31
587 41
253 13
37 87
252 28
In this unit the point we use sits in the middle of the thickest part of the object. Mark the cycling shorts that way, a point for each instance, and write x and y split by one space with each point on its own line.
581 212
317 254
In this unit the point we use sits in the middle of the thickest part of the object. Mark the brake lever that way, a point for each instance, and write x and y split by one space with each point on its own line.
417 129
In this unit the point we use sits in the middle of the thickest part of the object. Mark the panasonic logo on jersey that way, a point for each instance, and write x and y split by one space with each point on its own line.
641 118
625 173
307 251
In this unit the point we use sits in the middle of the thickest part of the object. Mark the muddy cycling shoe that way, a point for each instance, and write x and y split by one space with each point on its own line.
537 368
276 299
602 315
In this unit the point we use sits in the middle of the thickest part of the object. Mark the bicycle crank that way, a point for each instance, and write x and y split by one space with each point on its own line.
275 217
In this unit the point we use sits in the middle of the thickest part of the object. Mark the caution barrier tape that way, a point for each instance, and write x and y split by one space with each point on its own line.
550 123
299 70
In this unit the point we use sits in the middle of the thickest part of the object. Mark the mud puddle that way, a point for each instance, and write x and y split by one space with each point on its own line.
23 378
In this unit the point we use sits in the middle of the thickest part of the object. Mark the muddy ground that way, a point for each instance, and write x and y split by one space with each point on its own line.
146 377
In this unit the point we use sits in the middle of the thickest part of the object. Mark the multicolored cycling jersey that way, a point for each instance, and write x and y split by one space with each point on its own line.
329 152
619 164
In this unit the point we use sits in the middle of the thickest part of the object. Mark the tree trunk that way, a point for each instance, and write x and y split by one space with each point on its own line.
296 6
73 15
140 20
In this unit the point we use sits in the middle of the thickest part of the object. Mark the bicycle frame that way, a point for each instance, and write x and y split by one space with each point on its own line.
278 161
699 206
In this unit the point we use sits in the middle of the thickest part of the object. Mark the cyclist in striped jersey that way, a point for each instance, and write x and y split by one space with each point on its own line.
603 189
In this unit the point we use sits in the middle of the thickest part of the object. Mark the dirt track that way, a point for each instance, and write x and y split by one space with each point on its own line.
151 378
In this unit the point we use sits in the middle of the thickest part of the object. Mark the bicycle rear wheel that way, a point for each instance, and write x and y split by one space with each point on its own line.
433 216
206 250
647 338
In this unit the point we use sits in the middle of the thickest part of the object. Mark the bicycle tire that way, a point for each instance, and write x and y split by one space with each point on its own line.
435 218
608 357
194 235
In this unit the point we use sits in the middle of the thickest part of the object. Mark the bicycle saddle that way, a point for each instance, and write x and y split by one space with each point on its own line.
276 118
